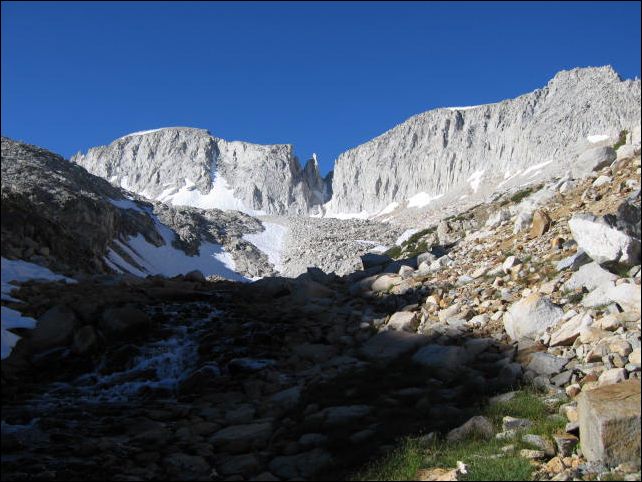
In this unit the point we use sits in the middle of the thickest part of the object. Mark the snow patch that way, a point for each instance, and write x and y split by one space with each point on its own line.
221 196
468 107
19 271
142 133
475 180
388 209
168 261
422 199
270 241
405 236
597 138
536 167
127 204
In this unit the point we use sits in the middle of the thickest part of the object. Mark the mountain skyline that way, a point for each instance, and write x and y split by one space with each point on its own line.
324 78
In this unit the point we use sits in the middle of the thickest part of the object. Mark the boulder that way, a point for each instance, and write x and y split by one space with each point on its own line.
541 223
316 352
341 415
601 181
446 361
627 151
55 328
186 467
84 340
627 295
390 345
370 260
477 426
245 465
573 262
242 438
124 321
566 334
403 321
609 419
529 318
603 241
589 276
195 275
546 364
427 257
614 375
304 465
596 158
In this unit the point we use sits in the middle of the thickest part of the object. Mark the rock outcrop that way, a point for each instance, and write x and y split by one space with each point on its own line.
473 150
188 166
56 214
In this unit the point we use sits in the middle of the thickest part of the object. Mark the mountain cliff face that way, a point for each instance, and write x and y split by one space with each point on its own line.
187 166
475 149
57 215
436 158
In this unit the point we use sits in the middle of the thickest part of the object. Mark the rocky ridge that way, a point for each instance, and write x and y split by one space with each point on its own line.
258 179
467 153
56 214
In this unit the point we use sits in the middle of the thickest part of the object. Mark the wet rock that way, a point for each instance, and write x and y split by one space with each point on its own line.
200 380
119 322
84 340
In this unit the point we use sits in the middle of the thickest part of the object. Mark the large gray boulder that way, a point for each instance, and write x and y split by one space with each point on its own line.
529 318
589 276
609 419
604 241
596 158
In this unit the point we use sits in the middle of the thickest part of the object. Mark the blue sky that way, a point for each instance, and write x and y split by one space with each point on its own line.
322 76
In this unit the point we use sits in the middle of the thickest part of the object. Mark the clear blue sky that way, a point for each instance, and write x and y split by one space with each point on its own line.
322 76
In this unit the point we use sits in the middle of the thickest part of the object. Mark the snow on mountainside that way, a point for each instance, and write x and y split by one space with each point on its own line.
190 167
469 152
434 159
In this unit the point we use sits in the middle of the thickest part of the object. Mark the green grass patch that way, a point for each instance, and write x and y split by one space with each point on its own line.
400 464
621 140
393 252
481 456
